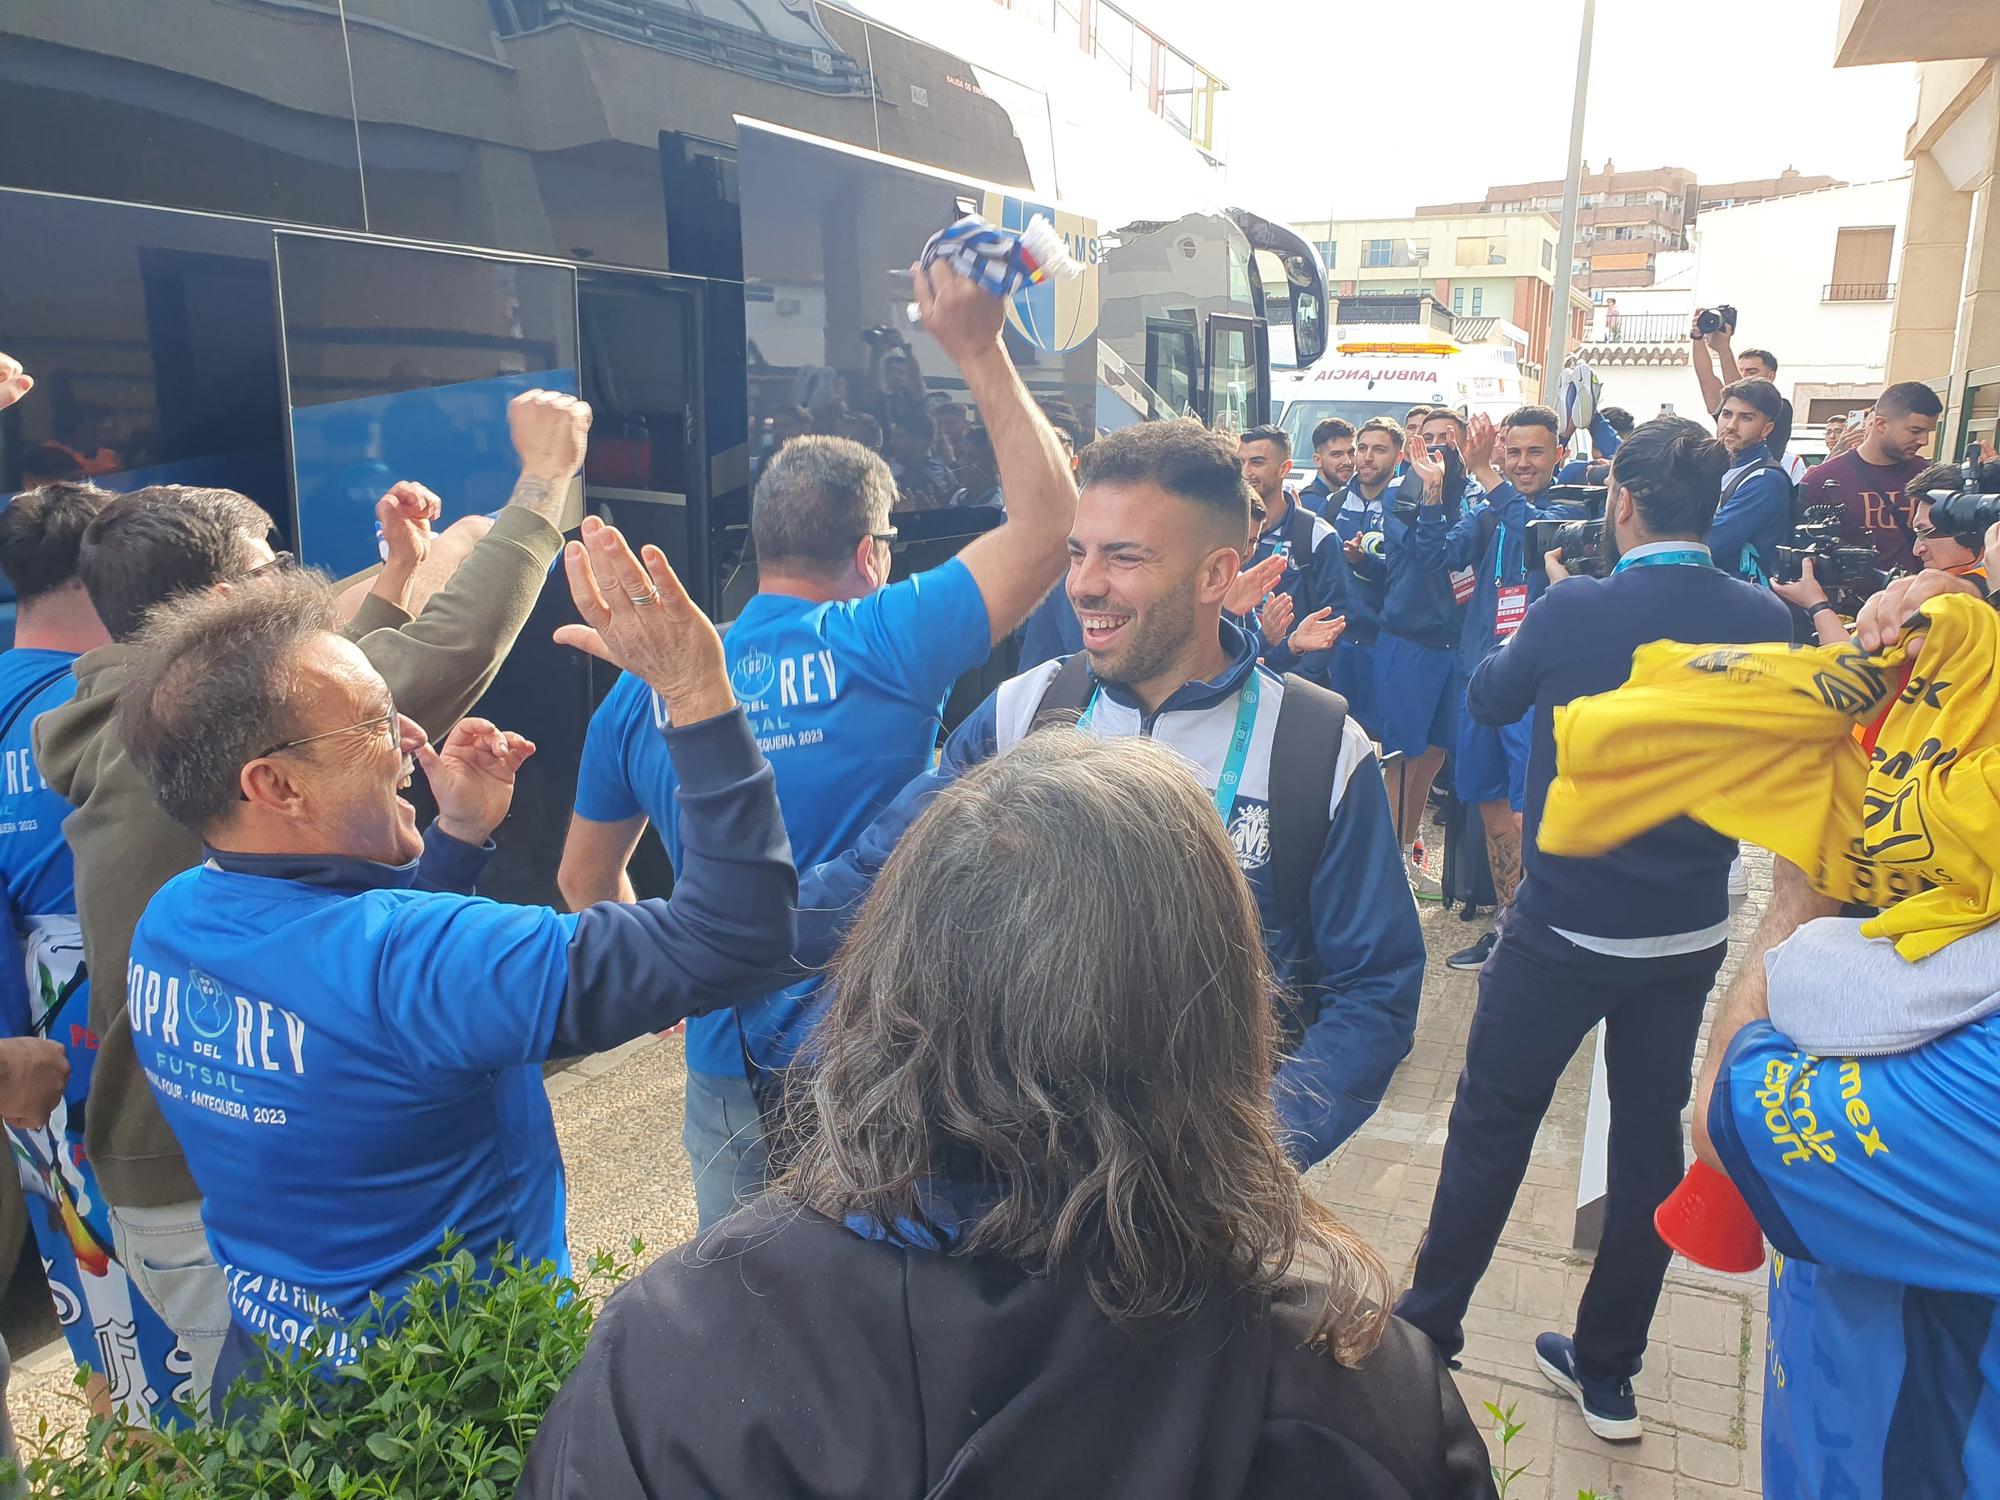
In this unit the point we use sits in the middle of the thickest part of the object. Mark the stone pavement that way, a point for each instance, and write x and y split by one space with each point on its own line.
1702 1388
619 1119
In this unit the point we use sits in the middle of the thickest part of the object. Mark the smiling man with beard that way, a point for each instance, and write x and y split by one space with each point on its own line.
1155 547
344 1039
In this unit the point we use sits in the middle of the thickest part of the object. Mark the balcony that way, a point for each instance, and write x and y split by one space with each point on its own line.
1639 328
1859 291
1366 308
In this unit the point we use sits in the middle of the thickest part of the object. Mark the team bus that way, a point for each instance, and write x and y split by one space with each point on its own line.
302 248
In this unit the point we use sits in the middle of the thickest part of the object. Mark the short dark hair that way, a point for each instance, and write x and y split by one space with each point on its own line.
1414 417
912 418
213 685
1270 433
1183 458
167 539
819 496
1758 393
1063 417
1534 416
1331 429
1616 418
1384 425
862 427
41 532
1770 360
1934 477
1674 469
1449 415
1908 398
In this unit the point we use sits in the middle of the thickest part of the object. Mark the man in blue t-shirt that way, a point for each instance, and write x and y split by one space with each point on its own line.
345 1041
1868 1162
844 677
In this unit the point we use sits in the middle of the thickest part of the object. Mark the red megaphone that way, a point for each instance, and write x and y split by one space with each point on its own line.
1706 1220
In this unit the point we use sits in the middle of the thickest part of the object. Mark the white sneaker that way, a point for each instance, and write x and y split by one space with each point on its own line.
1423 885
1739 881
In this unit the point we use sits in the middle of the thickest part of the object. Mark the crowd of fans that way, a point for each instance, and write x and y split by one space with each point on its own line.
1019 1044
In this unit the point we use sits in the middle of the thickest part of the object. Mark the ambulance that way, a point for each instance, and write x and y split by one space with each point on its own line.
1383 371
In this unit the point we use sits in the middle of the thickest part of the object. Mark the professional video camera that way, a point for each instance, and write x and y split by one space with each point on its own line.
1714 319
1974 506
1581 541
1848 574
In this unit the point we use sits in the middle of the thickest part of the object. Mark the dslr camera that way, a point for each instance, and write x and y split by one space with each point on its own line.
1709 320
1848 574
1974 506
1581 541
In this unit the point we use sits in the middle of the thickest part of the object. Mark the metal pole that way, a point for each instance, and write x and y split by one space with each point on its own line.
1566 237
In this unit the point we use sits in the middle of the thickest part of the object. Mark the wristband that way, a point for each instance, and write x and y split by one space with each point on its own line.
1823 604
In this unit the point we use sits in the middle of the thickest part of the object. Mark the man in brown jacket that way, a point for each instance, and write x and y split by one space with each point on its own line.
149 546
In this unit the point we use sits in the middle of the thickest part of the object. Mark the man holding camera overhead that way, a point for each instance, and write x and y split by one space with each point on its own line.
1633 938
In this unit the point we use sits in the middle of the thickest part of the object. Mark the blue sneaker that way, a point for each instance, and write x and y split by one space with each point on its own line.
1609 1408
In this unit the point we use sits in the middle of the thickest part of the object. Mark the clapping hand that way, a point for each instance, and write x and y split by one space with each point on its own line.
1480 438
637 616
1426 467
1253 583
1318 631
472 777
1276 617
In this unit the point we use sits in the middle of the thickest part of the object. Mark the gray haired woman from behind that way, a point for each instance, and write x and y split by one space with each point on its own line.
1036 1236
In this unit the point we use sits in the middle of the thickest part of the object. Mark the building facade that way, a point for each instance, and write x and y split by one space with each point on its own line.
1627 220
1824 306
1945 312
1477 266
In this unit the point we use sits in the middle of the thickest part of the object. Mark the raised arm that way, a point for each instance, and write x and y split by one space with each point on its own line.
438 664
1020 560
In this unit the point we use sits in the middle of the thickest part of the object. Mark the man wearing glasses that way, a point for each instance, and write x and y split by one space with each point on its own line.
345 1040
166 541
844 676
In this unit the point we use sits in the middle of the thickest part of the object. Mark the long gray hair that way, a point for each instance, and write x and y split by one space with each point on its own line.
1056 997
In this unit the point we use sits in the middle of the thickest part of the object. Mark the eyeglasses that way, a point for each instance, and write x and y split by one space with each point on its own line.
281 562
385 723
886 536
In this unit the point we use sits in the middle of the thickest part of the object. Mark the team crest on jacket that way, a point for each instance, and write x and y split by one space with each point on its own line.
1250 835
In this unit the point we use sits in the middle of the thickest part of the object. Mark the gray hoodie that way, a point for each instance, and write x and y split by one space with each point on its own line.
1839 994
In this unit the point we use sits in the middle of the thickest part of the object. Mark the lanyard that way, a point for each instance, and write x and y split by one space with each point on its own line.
1239 743
1688 556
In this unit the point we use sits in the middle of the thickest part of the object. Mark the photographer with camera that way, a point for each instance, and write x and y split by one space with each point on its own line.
1870 482
1633 937
1754 514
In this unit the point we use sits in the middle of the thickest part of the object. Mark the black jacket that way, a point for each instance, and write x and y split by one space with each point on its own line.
785 1355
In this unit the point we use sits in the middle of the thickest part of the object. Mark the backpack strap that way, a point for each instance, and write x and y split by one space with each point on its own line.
1067 693
1299 532
1736 484
1305 752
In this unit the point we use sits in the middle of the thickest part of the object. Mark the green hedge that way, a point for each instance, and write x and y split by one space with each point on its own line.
443 1404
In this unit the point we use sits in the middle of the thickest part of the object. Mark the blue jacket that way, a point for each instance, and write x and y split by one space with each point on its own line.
1417 600
1352 968
1578 639
1356 517
1321 581
1753 522
1604 441
350 1053
1315 493
1492 539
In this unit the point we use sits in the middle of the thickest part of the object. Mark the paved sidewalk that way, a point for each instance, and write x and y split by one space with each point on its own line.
1702 1387
619 1119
